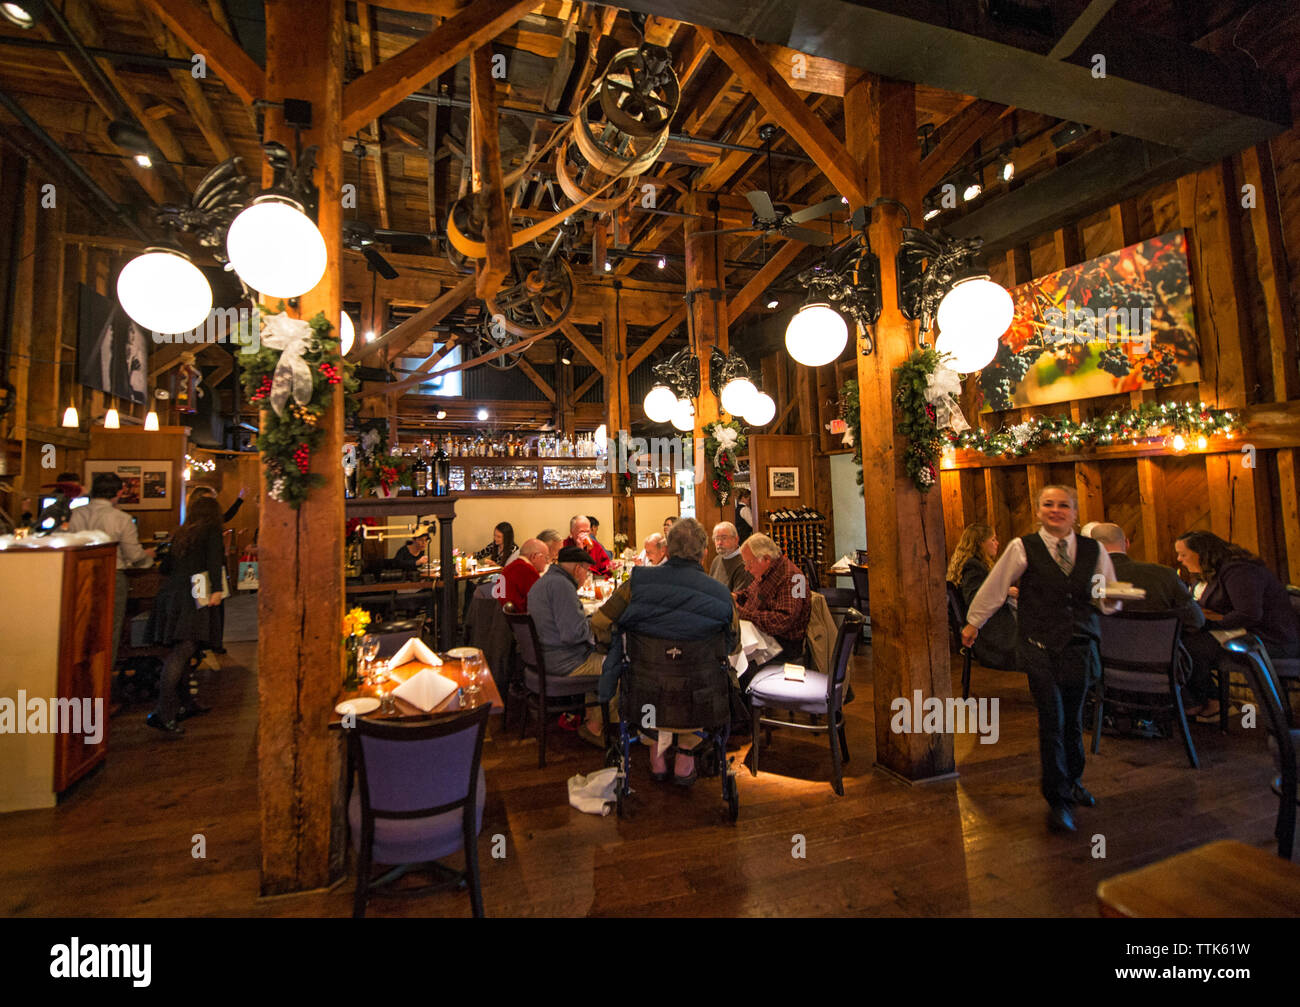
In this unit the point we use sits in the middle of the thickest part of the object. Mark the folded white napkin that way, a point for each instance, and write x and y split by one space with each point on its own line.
425 689
593 793
842 563
414 649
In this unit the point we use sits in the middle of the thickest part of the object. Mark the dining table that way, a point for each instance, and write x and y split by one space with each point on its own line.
451 668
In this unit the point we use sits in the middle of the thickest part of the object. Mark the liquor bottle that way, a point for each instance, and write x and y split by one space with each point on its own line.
441 473
419 474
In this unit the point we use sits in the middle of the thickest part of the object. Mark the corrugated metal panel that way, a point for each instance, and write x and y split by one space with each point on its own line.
486 382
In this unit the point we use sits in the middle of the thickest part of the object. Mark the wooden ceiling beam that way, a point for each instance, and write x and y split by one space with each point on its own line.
487 181
374 93
790 110
707 101
957 137
760 281
666 328
583 345
690 58
402 335
719 174
367 64
196 29
536 379
649 241
196 101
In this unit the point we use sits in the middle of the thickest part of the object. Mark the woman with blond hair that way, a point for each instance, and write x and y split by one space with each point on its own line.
976 551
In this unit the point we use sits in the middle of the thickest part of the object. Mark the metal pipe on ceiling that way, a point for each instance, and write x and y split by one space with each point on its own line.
114 55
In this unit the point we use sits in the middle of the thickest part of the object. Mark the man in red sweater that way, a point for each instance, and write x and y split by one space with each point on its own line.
522 573
580 537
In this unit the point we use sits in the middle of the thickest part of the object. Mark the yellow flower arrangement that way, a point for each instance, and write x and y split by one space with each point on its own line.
356 622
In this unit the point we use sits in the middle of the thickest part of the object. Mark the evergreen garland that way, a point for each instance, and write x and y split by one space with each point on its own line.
723 462
289 442
917 418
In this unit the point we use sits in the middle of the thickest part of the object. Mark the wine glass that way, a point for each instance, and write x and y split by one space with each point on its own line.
471 668
382 674
369 650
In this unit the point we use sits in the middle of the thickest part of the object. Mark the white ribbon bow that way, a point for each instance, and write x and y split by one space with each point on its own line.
943 386
292 337
725 436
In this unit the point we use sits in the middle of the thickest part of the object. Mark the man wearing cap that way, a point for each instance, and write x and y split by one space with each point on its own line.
568 647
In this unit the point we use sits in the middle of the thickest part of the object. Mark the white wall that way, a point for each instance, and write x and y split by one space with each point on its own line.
650 513
847 506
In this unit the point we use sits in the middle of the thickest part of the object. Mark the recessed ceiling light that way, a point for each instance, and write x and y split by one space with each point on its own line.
143 161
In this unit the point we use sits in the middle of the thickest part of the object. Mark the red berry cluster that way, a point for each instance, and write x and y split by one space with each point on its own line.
331 373
263 390
302 458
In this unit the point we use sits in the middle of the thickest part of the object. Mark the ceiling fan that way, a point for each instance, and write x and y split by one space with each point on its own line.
776 218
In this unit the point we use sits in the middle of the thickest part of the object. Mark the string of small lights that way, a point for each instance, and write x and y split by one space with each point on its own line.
1173 424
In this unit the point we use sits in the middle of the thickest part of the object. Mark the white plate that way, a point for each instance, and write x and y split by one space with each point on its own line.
365 704
460 653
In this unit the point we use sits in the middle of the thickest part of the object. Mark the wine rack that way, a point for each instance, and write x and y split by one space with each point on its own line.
799 533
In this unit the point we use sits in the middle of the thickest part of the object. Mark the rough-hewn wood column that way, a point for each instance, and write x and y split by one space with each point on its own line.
905 535
708 313
618 407
300 604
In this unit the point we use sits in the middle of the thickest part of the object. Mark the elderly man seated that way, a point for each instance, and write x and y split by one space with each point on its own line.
728 565
654 551
675 600
521 573
568 647
777 599
580 537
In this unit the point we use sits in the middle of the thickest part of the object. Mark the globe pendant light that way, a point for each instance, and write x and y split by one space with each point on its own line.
738 395
975 310
966 355
761 410
163 291
684 415
816 335
347 334
275 248
660 404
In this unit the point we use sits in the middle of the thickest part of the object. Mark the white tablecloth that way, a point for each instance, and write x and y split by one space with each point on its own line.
756 648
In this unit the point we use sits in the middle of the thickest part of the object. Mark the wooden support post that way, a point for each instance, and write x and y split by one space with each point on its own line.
300 606
487 182
709 322
618 405
905 530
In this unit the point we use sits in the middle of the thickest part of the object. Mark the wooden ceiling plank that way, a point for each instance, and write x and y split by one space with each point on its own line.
402 335
583 345
760 281
785 104
196 29
958 136
374 93
707 101
692 55
487 180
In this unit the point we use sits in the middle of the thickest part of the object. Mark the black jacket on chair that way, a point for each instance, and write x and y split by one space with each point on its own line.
995 647
1165 590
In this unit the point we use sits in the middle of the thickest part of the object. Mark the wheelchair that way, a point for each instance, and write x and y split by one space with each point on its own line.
665 683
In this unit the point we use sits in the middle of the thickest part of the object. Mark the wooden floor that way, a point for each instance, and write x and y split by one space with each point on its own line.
120 842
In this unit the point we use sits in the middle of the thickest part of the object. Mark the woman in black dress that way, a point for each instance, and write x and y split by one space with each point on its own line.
971 561
1240 593
192 569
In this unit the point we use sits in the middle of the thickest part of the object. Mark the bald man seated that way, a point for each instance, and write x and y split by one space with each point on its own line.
523 572
1165 590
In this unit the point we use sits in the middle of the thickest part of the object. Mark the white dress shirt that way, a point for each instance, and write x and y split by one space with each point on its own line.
1011 566
101 515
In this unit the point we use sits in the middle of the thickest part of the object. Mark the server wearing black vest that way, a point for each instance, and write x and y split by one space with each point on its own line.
1061 578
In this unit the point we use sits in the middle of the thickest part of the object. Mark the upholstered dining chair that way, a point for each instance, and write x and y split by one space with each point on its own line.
419 799
820 695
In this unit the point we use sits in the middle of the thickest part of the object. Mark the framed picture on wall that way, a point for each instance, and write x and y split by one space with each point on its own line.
782 482
147 484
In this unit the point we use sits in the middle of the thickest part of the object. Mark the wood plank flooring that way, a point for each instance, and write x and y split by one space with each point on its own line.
120 843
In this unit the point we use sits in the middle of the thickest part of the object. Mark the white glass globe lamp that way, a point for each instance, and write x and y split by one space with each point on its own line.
816 335
163 291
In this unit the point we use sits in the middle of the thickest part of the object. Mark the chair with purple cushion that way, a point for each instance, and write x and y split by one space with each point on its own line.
543 692
420 799
818 694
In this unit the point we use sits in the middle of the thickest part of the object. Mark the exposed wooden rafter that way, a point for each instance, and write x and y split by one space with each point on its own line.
196 28
487 182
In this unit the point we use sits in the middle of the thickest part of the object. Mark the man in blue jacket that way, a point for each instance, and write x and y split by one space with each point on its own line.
677 600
